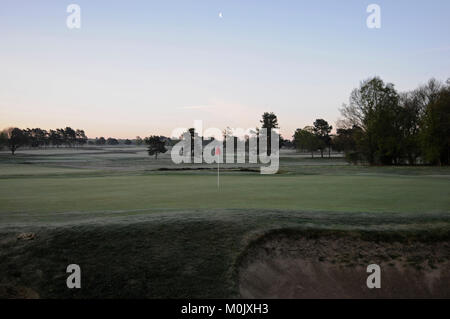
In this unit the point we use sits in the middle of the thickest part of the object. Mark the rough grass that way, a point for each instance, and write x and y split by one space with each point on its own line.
189 254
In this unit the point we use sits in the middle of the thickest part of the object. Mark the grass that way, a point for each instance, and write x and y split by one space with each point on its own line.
197 191
184 254
139 231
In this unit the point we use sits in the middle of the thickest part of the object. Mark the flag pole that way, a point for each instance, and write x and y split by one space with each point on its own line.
218 172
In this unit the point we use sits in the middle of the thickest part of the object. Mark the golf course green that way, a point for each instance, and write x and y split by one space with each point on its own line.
182 191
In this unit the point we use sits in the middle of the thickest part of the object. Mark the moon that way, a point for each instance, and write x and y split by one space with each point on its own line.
220 15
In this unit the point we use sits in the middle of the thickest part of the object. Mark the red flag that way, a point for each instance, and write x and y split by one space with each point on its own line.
217 150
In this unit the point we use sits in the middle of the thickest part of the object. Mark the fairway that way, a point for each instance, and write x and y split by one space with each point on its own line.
184 191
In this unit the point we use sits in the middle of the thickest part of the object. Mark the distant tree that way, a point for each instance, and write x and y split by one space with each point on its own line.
306 140
192 134
3 139
80 137
322 130
127 142
139 140
36 137
286 143
112 141
55 138
100 141
171 142
228 134
62 135
70 136
269 121
346 140
156 145
15 138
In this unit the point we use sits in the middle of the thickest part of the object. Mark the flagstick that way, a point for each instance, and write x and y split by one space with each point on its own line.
218 169
218 166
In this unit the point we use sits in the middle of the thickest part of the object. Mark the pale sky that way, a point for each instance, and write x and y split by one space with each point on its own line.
147 67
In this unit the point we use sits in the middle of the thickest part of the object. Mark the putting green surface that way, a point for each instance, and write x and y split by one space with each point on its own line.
351 193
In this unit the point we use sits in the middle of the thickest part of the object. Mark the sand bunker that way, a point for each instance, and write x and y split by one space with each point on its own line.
336 267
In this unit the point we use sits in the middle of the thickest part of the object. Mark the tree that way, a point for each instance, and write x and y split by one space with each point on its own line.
269 121
100 141
15 138
139 141
228 134
286 143
435 135
70 136
374 107
192 135
3 139
62 135
55 138
127 142
36 137
80 137
413 107
306 140
346 140
112 141
322 130
156 145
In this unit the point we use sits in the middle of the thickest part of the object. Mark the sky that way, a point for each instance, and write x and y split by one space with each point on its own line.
139 68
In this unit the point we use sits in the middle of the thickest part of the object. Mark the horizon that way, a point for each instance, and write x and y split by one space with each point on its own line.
147 68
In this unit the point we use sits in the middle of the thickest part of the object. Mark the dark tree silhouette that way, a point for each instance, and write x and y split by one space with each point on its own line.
55 137
156 145
37 137
374 107
322 130
112 141
3 139
269 121
81 137
139 140
15 138
436 130
306 140
100 141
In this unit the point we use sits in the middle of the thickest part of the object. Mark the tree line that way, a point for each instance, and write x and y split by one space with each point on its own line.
379 126
15 137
